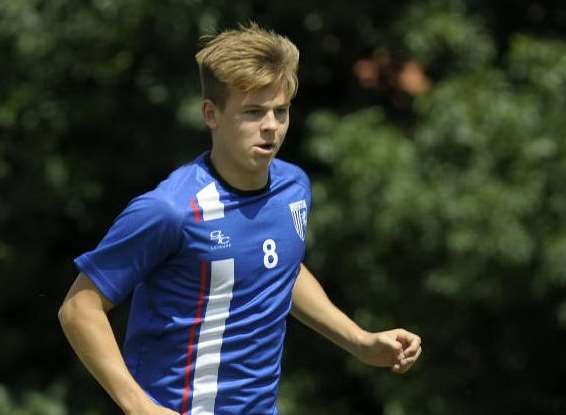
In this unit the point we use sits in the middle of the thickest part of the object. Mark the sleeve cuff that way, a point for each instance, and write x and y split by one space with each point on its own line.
85 266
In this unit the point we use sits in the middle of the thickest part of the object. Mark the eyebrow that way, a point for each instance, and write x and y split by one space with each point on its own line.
265 107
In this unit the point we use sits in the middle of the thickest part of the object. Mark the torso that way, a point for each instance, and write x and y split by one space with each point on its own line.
207 327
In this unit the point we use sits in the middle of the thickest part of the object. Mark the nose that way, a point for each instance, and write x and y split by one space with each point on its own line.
269 122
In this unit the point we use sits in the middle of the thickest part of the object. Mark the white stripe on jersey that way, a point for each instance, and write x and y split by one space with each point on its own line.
209 201
210 338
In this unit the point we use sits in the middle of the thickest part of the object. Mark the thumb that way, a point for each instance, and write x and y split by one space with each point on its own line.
396 348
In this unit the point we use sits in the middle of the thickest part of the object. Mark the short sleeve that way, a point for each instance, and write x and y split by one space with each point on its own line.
309 194
147 232
306 185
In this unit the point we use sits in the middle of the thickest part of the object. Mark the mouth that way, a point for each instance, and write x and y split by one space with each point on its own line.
266 148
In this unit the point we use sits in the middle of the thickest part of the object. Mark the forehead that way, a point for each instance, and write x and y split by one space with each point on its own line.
272 96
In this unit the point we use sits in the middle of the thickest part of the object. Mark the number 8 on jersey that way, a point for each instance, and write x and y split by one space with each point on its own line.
270 258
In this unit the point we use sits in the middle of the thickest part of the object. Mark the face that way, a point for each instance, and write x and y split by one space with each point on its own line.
249 130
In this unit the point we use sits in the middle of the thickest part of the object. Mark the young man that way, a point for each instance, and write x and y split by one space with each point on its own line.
213 258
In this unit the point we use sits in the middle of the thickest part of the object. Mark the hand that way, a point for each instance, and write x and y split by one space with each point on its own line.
150 408
397 349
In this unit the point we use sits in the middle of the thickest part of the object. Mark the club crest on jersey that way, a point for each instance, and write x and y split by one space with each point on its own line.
299 215
222 241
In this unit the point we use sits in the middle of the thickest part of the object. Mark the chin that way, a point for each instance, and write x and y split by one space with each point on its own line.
260 163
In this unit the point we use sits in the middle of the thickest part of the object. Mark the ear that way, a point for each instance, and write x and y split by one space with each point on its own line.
209 113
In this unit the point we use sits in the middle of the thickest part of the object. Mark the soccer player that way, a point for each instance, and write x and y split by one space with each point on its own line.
213 256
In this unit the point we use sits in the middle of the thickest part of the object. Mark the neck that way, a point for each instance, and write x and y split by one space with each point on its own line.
235 175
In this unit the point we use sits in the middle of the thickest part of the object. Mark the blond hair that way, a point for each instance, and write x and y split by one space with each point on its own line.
247 59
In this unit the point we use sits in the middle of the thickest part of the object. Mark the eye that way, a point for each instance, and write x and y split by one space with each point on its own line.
253 112
281 112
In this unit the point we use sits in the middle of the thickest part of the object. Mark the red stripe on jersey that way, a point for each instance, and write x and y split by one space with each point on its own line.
192 335
196 210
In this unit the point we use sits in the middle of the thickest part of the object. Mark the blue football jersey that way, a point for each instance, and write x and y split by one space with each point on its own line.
211 269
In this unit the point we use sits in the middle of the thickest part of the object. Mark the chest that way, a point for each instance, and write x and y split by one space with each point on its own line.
265 235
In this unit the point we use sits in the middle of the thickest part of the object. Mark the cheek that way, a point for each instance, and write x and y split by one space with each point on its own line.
283 130
239 128
248 131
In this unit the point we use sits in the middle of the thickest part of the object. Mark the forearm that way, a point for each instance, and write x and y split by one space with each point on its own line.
397 348
313 308
90 334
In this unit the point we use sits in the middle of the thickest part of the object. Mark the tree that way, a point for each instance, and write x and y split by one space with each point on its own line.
455 227
455 197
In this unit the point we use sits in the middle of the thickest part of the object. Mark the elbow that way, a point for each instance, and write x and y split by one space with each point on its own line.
66 314
63 314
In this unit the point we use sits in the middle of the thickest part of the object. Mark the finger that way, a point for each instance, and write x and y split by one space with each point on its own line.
396 368
399 369
417 355
409 362
413 346
397 353
406 337
401 335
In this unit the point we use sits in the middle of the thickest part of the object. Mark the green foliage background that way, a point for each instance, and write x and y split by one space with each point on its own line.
447 216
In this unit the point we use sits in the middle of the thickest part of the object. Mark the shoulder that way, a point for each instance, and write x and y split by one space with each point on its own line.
168 203
184 178
290 172
181 184
155 207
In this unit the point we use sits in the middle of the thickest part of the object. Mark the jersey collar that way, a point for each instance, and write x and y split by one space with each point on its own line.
214 173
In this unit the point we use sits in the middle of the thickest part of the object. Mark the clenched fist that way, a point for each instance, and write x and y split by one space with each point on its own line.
397 349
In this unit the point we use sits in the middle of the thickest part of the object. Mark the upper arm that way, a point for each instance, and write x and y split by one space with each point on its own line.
305 284
83 293
147 232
